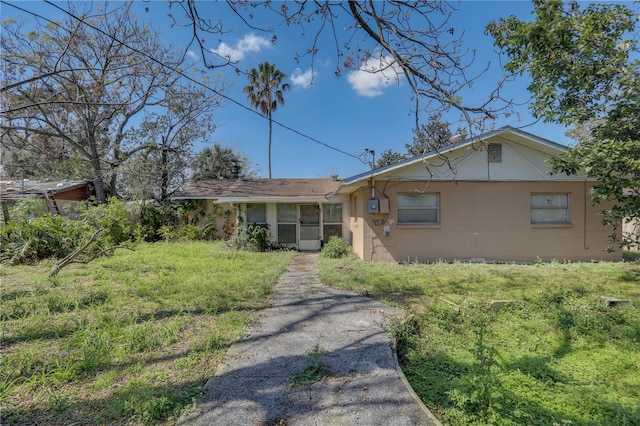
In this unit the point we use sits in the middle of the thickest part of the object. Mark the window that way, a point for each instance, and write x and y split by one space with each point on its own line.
549 208
331 221
256 213
287 220
418 209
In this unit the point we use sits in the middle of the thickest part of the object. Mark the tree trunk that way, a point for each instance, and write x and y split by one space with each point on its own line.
164 182
98 183
270 127
114 170
5 212
96 168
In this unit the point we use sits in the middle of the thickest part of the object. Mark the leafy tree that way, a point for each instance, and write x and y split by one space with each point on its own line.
73 88
428 137
42 161
162 168
585 72
265 91
431 136
220 163
390 157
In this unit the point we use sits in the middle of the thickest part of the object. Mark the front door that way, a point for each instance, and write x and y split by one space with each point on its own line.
309 227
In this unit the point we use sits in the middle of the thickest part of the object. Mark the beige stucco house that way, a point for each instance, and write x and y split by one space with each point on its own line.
491 198
300 212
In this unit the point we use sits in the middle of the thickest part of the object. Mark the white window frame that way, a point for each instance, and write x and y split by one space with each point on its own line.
400 208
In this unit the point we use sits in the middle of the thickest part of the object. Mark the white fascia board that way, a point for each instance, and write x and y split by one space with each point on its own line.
280 199
257 199
193 197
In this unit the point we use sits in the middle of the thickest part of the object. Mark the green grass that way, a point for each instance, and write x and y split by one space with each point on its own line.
129 339
556 356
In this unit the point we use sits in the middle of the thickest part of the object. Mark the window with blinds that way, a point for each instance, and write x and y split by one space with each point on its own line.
256 213
331 221
550 208
287 223
418 209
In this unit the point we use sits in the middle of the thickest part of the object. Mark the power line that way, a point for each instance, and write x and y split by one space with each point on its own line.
182 74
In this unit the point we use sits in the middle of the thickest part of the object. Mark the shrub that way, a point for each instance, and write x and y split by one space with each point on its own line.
255 237
39 238
258 234
27 208
34 235
209 230
112 217
151 219
182 233
336 248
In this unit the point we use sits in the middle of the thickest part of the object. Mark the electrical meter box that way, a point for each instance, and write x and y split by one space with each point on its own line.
374 205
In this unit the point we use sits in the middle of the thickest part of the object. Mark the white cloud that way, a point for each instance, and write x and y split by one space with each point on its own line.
373 76
250 43
302 79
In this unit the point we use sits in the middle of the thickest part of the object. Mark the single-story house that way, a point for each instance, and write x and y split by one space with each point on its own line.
491 197
299 212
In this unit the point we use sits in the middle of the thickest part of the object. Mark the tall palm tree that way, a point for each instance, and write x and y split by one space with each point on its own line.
265 91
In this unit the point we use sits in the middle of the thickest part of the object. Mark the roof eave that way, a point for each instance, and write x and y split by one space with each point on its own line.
267 199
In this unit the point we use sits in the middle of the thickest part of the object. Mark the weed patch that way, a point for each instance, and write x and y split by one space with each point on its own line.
129 339
313 372
559 356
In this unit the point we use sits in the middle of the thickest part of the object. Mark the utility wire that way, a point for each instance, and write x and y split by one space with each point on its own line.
146 55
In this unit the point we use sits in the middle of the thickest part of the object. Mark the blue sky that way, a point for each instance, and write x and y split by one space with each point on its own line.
354 112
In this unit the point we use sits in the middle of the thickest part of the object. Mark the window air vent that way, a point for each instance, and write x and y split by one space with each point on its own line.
494 151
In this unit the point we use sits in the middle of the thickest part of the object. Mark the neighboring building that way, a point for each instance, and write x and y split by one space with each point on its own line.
490 198
56 194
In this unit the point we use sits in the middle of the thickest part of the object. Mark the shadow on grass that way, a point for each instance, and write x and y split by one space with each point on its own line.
132 403
254 388
263 388
440 380
52 331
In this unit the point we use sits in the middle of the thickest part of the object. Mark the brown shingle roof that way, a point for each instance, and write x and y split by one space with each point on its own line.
260 189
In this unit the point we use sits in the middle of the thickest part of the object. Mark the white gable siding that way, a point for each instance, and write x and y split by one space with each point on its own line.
519 163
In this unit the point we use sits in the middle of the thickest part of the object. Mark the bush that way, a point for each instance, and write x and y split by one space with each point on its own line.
258 234
113 218
181 233
40 238
336 248
255 237
34 235
152 218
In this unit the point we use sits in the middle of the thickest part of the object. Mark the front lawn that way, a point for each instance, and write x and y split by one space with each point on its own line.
128 339
555 355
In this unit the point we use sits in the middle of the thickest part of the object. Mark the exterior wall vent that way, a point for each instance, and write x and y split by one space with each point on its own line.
494 152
